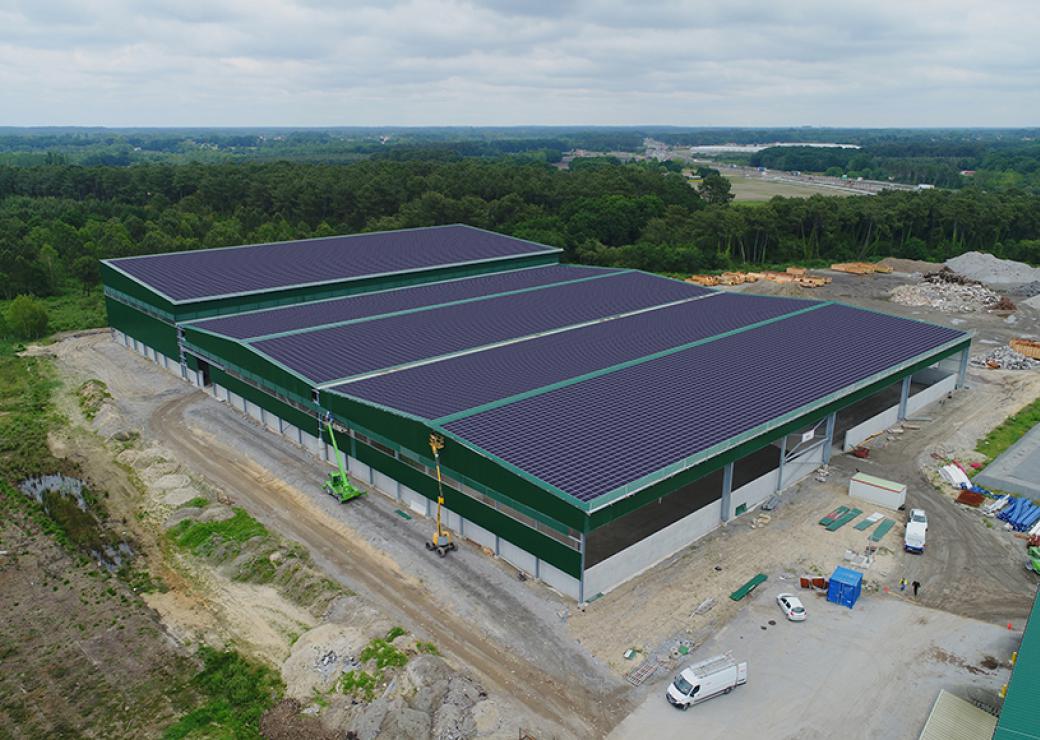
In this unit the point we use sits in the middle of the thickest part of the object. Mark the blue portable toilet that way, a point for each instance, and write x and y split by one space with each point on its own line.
845 586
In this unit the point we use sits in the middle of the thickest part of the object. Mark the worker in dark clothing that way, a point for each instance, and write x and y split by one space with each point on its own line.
916 585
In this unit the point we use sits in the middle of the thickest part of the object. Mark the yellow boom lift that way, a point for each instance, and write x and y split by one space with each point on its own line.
442 541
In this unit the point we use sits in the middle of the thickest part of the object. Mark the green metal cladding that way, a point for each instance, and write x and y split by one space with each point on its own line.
159 336
543 547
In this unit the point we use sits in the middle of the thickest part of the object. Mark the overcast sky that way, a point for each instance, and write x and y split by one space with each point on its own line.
317 63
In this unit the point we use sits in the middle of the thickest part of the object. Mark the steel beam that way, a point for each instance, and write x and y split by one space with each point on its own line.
962 373
727 489
783 455
829 438
904 396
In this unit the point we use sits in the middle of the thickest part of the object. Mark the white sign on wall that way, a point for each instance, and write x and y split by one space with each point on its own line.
808 436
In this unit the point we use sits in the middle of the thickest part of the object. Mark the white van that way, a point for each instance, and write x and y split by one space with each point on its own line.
916 530
706 679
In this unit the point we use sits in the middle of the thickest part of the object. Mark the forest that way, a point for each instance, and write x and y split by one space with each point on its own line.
58 219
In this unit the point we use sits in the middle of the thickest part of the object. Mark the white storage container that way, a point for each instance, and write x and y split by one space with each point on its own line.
878 491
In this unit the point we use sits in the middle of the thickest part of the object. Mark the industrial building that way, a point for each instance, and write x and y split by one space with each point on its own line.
596 420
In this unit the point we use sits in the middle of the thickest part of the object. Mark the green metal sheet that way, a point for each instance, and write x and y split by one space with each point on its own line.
748 587
882 530
833 516
159 336
843 520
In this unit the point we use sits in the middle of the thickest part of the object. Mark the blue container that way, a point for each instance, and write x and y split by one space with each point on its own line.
845 587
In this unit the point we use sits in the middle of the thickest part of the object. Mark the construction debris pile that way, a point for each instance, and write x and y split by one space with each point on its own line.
948 291
793 275
1005 358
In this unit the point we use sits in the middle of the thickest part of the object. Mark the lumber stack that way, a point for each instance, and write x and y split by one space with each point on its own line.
861 268
794 275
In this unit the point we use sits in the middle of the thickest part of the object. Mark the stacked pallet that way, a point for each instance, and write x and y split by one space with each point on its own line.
1026 347
861 268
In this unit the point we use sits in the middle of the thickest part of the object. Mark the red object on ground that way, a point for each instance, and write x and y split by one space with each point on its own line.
976 465
969 498
861 452
1033 541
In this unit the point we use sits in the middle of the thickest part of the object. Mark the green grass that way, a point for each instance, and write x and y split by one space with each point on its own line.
202 537
199 502
383 654
427 647
236 694
1010 431
360 684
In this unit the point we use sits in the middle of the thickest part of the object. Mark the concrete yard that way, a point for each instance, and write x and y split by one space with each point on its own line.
1018 469
870 672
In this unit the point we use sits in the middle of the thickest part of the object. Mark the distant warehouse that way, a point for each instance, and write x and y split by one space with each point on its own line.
597 420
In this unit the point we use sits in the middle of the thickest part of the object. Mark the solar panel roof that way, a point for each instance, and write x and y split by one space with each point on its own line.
352 308
603 434
442 388
212 273
338 352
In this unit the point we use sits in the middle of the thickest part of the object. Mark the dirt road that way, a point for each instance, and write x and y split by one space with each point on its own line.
967 568
583 710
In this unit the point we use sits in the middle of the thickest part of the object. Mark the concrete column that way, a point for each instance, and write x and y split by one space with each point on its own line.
962 373
780 472
727 489
828 443
904 396
497 541
581 578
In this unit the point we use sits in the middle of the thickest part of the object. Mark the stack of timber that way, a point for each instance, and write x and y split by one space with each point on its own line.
861 268
795 275
1026 347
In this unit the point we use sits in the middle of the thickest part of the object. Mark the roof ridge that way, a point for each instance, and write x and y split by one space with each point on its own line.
506 342
430 307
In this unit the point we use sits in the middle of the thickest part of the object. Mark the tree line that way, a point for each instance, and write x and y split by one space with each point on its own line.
57 220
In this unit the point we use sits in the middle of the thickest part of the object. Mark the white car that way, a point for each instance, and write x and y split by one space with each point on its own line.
917 516
791 606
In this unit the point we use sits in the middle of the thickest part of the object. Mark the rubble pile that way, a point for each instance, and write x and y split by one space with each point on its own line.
1005 358
946 296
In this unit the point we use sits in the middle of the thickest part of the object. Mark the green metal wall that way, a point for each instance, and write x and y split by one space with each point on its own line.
543 547
247 363
112 278
159 336
291 414
413 436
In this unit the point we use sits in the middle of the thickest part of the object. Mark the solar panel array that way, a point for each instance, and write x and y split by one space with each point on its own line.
339 352
600 434
442 388
197 275
305 315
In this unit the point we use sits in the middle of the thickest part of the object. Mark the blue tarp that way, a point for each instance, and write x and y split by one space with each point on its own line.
845 587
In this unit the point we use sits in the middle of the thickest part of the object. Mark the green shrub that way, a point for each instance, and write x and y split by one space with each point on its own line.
27 317
384 654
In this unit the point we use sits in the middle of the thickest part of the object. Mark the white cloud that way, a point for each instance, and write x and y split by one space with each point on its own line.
744 62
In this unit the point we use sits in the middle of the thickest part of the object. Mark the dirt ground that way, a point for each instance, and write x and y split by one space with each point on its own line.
78 649
475 611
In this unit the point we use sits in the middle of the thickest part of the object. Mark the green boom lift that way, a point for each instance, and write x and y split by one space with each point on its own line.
338 485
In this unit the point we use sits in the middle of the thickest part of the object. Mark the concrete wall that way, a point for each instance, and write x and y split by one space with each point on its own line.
648 552
942 383
753 493
931 394
170 364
